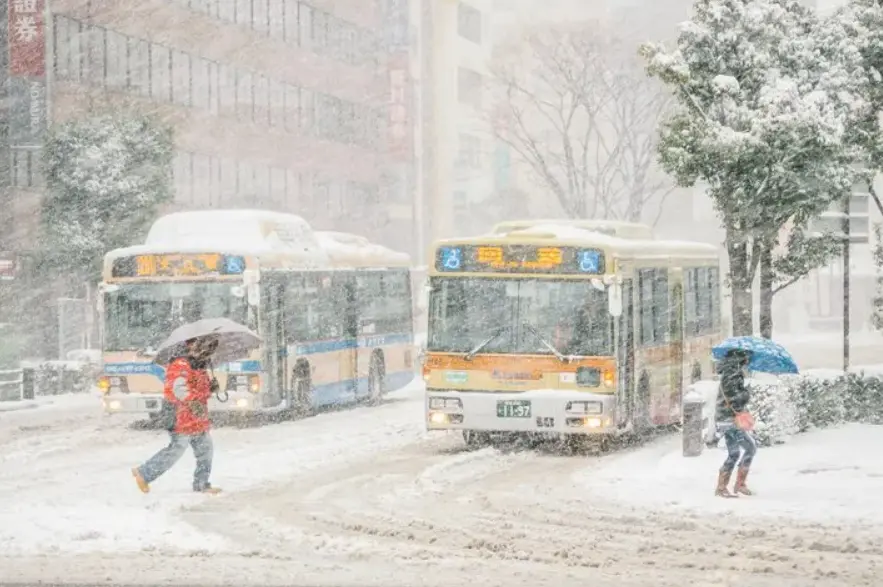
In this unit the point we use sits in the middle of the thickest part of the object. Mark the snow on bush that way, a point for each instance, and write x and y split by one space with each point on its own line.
816 399
774 412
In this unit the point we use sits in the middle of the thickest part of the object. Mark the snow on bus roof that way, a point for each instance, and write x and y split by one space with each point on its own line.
626 245
241 232
621 246
617 228
347 248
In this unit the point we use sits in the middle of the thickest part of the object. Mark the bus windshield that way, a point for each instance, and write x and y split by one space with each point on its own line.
526 315
140 316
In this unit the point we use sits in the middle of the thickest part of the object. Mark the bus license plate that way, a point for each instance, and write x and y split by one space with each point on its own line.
513 409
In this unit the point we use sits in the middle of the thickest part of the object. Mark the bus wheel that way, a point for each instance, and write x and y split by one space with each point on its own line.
376 381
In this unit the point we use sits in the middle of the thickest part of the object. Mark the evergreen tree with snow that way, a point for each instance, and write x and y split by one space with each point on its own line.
767 97
107 176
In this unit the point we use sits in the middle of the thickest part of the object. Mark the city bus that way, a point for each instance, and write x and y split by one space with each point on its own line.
334 312
561 332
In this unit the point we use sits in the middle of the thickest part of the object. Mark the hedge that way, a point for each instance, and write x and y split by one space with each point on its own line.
816 400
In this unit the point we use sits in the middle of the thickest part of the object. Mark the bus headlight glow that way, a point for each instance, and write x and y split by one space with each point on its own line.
104 384
114 405
242 403
438 418
592 423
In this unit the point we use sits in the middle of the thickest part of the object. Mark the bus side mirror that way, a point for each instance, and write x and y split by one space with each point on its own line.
614 300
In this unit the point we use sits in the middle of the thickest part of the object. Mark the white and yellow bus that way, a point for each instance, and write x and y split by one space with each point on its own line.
559 331
334 311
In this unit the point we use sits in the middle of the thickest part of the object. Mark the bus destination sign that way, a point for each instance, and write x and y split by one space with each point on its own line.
519 259
178 265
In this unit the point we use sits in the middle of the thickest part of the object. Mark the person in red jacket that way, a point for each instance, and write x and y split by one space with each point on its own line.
188 388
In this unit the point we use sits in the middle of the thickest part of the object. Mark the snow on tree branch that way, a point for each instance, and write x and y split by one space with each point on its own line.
576 108
106 176
768 99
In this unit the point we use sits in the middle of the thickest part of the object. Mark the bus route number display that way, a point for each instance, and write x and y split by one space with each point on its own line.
178 265
519 259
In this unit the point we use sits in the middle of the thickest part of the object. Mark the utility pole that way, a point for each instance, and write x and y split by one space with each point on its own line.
846 247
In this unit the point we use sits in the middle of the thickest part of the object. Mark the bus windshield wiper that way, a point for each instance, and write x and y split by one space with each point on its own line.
471 354
558 354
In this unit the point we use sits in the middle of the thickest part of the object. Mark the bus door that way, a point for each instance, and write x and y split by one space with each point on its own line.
676 335
625 355
273 329
346 288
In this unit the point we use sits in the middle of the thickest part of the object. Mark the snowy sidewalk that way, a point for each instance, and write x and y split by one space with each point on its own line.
832 476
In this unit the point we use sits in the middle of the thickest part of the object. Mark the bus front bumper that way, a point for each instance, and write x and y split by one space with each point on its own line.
150 403
539 411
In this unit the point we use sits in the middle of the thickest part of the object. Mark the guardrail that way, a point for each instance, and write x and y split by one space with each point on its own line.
11 385
45 378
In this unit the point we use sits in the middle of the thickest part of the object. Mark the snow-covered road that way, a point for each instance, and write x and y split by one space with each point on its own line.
365 497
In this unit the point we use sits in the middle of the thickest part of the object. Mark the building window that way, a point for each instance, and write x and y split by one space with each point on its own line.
139 66
243 12
117 60
261 99
290 31
469 87
277 104
469 152
226 90
305 17
469 23
227 10
292 107
68 58
244 95
260 16
181 79
277 18
201 84
160 73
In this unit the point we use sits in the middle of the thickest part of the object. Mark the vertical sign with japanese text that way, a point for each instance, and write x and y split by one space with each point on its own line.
27 72
400 132
27 42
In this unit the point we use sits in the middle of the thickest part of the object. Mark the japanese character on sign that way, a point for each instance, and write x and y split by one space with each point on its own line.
25 29
24 6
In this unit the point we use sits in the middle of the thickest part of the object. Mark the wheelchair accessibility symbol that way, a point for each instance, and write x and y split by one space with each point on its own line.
452 258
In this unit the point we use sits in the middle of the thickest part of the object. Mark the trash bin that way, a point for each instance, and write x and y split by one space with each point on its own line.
28 382
692 434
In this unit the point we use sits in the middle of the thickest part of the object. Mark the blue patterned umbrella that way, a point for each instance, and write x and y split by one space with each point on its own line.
766 355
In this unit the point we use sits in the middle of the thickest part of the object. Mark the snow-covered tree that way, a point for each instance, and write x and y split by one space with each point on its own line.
106 176
573 103
767 95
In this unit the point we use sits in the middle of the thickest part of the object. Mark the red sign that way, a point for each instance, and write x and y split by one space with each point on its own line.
27 41
401 141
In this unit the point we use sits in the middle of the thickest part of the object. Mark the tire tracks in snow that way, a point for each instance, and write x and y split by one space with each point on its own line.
433 502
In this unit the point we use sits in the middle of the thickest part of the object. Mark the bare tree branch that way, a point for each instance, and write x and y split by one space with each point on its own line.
578 109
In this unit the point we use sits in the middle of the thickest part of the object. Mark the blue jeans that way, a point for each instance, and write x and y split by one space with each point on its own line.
167 457
739 443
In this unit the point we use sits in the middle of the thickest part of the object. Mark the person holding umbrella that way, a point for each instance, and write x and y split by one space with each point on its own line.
734 421
734 356
188 387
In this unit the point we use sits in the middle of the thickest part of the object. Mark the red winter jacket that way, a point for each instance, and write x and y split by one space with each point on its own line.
188 389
